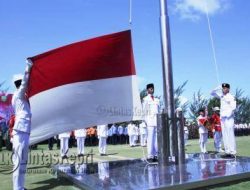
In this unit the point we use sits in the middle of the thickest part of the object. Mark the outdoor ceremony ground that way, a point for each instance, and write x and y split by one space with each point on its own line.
40 176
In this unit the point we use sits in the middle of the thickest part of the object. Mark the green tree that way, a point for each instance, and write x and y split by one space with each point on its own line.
242 112
198 102
143 93
177 98
213 102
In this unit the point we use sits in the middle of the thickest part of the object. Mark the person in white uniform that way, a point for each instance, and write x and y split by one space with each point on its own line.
203 132
102 133
136 134
21 129
143 133
227 108
131 134
216 123
151 107
80 135
64 144
120 134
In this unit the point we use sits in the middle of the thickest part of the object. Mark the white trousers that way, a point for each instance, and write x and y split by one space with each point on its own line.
203 141
217 140
102 145
227 128
80 145
64 146
20 159
152 144
143 139
132 140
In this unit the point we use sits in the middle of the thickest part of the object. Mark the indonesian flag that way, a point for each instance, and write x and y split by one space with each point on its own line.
84 84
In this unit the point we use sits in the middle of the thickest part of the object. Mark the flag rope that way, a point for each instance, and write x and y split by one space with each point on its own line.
212 44
130 12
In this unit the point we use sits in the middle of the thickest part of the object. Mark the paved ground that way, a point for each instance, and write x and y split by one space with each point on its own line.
40 176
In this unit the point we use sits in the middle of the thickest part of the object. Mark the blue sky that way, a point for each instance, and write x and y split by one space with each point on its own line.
31 27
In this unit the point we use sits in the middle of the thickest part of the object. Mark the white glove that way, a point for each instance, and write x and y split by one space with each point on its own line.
218 87
28 66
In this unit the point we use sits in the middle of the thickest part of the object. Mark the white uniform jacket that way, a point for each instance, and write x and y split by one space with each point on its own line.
80 133
130 129
64 135
228 103
102 130
151 107
21 107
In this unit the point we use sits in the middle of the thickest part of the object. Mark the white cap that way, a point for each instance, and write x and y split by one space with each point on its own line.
17 77
216 109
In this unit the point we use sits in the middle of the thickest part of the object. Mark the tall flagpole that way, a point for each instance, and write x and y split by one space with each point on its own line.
168 90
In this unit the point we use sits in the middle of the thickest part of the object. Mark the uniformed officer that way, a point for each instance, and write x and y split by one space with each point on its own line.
109 139
203 132
120 134
102 133
131 134
227 107
114 130
151 107
80 135
64 144
21 129
136 134
216 124
143 133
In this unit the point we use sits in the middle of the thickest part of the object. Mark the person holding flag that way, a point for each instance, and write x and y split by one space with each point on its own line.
203 132
216 128
22 127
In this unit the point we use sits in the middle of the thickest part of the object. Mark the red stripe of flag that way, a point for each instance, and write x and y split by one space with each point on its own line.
103 57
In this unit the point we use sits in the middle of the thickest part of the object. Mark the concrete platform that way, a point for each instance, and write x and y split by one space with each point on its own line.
199 171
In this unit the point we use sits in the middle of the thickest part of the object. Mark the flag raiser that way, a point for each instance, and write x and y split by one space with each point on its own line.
83 84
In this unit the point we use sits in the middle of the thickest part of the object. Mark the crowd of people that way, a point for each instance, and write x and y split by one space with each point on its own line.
132 133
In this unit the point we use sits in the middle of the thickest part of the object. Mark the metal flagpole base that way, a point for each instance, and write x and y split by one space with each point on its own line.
163 139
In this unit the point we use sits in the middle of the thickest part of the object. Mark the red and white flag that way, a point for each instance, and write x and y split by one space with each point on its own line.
83 84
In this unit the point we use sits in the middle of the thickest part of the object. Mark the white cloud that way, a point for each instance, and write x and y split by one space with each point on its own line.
193 9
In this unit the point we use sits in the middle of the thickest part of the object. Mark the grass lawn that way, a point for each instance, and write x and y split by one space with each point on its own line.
40 176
